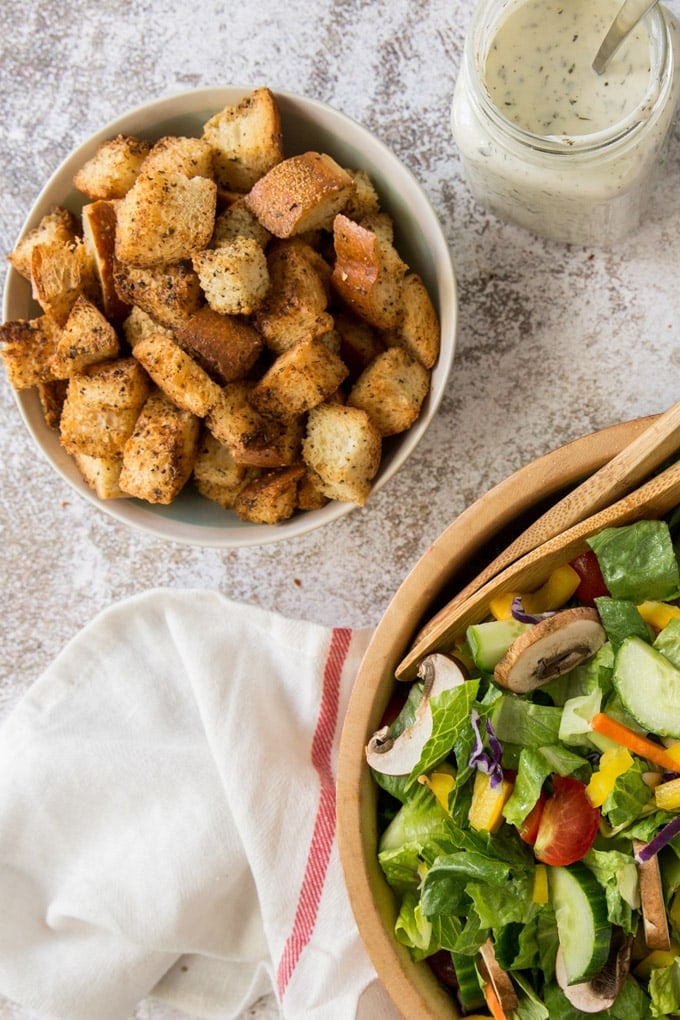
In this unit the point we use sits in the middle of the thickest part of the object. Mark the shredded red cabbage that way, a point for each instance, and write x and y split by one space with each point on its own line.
517 610
486 761
662 839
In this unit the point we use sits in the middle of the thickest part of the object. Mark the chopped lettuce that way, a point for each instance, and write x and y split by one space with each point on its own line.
638 561
621 619
667 642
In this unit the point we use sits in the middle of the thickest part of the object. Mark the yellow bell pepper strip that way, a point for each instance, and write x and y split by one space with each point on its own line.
556 591
635 742
658 614
657 958
486 808
500 606
667 795
540 892
613 763
441 783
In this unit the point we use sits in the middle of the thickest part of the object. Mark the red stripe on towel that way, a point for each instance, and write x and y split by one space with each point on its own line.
324 824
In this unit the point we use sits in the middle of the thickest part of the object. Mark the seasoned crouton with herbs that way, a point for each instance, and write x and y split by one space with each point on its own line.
99 235
58 226
178 155
102 474
254 440
101 407
169 294
238 221
299 379
295 305
226 346
234 277
87 338
60 272
217 475
181 379
343 447
418 330
27 349
246 140
113 169
159 456
368 273
271 498
300 193
391 389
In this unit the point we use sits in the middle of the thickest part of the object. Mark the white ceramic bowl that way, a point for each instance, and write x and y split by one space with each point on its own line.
306 124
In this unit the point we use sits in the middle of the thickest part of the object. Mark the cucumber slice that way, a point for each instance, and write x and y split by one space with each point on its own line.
582 925
649 687
469 988
490 641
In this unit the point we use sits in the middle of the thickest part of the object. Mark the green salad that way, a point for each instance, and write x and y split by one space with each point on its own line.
529 806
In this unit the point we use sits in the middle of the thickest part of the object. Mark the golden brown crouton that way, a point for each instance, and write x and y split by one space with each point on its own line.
296 302
342 447
52 395
254 440
60 272
27 350
180 155
217 475
180 378
139 324
299 379
87 338
102 474
227 347
246 139
57 226
169 294
234 277
368 273
364 200
300 193
160 454
309 493
112 171
271 498
99 234
165 217
360 343
101 407
238 221
419 330
392 390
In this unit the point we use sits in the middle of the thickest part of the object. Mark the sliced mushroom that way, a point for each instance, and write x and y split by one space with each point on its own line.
600 992
399 755
499 980
550 648
654 920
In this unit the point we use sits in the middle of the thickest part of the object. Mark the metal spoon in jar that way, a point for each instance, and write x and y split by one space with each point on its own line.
625 21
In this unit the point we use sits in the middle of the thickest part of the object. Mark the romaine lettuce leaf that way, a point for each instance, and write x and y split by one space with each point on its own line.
617 874
621 619
667 642
664 989
450 729
444 888
519 721
638 561
413 929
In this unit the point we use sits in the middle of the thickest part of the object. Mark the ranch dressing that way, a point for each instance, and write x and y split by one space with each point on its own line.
545 141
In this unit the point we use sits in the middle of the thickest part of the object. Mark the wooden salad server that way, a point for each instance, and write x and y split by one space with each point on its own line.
593 503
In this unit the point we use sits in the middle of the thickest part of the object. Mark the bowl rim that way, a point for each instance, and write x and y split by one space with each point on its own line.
150 119
411 986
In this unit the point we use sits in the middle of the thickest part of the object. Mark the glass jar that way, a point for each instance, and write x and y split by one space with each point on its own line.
588 189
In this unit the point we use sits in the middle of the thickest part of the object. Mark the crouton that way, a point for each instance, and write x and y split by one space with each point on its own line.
217 475
179 155
102 474
246 139
60 272
309 494
27 350
368 273
364 200
58 226
160 454
99 235
418 331
169 294
101 407
360 343
139 324
342 448
392 390
300 193
234 278
52 395
227 347
180 378
165 217
87 337
113 169
299 379
271 498
238 221
296 302
255 441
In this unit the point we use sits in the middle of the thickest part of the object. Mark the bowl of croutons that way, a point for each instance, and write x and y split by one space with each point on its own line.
230 316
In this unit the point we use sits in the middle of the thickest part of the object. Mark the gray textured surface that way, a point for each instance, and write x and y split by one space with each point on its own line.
553 341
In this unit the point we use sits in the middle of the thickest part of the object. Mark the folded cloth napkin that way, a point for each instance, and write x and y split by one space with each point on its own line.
167 818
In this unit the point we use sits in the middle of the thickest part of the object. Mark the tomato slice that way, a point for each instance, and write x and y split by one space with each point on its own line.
568 823
528 829
592 583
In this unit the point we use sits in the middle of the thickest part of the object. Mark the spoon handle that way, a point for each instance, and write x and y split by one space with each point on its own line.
625 21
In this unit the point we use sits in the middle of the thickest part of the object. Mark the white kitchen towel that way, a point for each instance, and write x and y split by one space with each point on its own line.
167 818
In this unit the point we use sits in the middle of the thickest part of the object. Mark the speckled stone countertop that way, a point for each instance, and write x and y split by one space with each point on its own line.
553 341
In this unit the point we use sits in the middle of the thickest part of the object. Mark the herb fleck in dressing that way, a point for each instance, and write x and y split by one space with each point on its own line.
539 73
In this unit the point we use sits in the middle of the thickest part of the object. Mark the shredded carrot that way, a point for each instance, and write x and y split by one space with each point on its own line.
493 1003
635 742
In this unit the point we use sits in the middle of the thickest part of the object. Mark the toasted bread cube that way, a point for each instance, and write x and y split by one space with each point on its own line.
217 475
28 348
58 226
99 234
102 474
300 193
113 169
87 338
299 379
165 217
180 155
52 395
342 448
419 331
309 493
234 278
139 324
392 390
360 343
60 272
169 294
296 302
368 273
160 454
238 221
246 139
227 347
254 440
271 498
101 407
180 378
364 200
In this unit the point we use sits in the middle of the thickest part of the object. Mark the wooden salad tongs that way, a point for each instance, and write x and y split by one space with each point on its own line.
608 497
